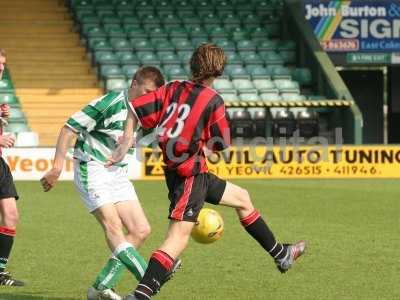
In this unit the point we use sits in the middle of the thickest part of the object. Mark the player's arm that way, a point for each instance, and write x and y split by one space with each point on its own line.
126 142
218 135
80 122
64 140
6 141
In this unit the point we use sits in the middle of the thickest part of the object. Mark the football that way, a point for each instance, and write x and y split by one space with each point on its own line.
209 226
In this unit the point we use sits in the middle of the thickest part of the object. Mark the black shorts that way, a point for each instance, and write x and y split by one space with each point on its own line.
7 187
188 194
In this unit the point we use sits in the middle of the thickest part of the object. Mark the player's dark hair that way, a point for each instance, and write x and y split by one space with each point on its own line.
207 61
149 73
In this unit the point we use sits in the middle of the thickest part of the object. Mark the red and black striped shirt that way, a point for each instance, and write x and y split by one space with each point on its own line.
188 117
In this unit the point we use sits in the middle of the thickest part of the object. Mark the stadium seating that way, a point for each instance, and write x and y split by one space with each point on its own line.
262 67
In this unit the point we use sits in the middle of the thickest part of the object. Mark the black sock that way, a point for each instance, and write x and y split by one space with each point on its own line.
159 265
6 243
256 227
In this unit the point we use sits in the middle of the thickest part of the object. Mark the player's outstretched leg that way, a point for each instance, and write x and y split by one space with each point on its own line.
283 254
163 261
9 220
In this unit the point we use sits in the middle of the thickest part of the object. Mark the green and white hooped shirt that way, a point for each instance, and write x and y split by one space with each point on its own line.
99 126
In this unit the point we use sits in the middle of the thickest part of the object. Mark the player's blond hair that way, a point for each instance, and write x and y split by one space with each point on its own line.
207 61
2 52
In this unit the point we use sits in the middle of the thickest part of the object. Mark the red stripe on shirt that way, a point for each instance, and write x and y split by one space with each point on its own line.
180 207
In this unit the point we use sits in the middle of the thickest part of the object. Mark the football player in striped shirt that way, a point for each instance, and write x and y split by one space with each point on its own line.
190 120
107 192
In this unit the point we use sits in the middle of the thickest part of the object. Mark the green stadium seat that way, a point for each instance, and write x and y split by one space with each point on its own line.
252 59
229 18
144 6
148 58
229 96
129 70
196 31
95 31
258 72
251 19
198 41
266 45
227 45
183 5
164 46
17 127
94 28
163 12
259 32
243 11
239 34
210 18
191 20
16 115
280 72
289 57
218 31
101 45
124 6
265 86
244 86
233 58
158 32
121 44
6 86
110 71
182 44
303 76
89 19
127 58
293 97
185 56
175 72
168 58
272 58
177 32
125 13
287 86
134 31
9 98
236 72
105 58
170 19
151 19
90 42
223 86
128 20
114 30
249 97
223 6
141 44
116 84
270 97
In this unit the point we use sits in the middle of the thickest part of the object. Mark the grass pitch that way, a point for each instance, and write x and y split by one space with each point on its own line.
352 227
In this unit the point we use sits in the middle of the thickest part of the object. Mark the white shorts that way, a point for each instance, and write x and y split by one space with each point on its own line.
98 185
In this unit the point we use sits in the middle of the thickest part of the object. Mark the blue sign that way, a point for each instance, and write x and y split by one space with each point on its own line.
352 26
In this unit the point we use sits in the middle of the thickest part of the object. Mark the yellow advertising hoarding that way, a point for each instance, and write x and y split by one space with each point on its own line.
293 162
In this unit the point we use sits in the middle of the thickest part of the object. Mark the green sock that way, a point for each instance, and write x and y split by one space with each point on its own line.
110 274
132 260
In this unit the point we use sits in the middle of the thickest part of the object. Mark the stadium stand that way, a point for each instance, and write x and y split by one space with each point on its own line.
266 76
